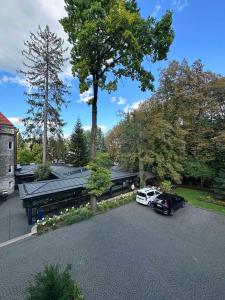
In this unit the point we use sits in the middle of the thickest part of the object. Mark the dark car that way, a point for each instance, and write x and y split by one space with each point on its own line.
168 203
3 195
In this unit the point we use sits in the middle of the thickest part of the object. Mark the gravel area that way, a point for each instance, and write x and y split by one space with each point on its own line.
128 253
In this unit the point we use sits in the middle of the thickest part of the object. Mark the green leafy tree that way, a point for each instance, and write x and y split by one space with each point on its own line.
166 186
78 149
55 284
219 184
100 177
57 150
42 172
29 153
195 98
152 143
110 39
198 169
44 61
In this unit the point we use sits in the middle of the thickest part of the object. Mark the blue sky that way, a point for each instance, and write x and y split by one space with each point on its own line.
199 33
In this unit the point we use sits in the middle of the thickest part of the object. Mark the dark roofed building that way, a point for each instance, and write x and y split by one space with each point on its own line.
68 189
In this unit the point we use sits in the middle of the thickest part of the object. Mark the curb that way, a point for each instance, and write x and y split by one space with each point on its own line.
19 238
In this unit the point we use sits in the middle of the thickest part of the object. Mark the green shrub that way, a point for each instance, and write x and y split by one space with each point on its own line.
166 186
53 284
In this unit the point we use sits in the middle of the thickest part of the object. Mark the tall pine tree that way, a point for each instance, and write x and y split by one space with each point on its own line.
78 150
44 54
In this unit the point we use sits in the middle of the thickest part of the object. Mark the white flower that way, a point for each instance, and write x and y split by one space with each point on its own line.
38 221
43 219
61 212
72 207
67 209
43 223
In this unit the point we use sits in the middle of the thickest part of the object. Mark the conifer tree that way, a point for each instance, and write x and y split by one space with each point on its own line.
44 55
78 152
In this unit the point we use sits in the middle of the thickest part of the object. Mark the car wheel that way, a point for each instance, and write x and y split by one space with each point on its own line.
183 204
150 204
171 212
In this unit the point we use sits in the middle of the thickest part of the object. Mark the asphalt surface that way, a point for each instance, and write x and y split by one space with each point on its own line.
128 253
13 219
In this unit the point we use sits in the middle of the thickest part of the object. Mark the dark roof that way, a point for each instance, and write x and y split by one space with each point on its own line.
59 170
79 179
4 120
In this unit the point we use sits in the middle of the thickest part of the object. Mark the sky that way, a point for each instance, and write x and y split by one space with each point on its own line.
199 34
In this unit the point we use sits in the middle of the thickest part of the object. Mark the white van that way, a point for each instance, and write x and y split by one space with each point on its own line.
147 195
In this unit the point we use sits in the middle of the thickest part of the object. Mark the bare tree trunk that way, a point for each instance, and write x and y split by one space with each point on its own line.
93 203
45 133
141 169
93 136
94 122
202 181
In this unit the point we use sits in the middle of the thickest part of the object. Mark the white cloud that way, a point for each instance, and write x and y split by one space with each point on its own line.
16 120
86 96
180 4
86 127
157 8
121 101
103 128
131 107
14 79
66 135
15 30
113 99
118 101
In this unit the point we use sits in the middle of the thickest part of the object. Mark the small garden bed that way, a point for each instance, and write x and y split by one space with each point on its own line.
74 215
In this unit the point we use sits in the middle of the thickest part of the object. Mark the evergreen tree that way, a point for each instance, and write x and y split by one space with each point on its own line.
78 151
44 55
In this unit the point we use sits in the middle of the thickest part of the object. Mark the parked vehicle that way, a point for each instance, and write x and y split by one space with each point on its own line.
168 203
146 196
3 195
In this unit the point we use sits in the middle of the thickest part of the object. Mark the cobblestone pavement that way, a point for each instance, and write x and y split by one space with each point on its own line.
128 253
13 220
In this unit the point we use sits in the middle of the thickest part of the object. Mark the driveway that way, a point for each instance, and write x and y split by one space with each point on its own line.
13 220
128 253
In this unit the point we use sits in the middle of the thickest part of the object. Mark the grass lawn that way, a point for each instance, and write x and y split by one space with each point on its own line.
192 196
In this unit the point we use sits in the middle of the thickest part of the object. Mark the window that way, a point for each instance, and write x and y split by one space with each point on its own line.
10 169
10 144
141 194
150 194
10 184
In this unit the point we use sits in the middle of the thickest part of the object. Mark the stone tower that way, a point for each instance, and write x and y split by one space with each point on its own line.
7 154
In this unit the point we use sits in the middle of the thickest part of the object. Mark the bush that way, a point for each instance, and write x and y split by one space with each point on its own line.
42 172
53 284
166 186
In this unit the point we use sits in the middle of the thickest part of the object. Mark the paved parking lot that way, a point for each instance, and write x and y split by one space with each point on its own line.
128 253
13 220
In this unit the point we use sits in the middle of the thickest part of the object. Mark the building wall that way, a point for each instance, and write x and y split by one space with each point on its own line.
7 158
